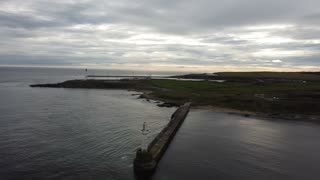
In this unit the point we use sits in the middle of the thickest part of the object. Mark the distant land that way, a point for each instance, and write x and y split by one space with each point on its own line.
284 95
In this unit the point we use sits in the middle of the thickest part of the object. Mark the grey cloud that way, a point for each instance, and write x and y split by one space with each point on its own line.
203 32
204 15
311 18
303 33
303 60
175 16
223 39
23 21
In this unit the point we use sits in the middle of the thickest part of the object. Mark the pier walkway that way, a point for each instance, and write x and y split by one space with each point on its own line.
146 160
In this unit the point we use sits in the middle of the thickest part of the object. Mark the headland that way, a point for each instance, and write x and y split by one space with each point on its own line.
287 95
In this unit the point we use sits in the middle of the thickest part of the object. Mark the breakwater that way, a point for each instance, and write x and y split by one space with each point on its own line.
146 160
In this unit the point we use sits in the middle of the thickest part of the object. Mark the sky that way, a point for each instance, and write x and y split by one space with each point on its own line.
171 35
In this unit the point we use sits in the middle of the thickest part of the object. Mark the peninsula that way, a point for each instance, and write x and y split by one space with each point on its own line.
286 95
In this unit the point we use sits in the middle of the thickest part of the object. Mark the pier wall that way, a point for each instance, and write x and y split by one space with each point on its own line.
146 160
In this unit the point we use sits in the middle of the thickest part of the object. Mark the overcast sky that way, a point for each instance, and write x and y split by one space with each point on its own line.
180 35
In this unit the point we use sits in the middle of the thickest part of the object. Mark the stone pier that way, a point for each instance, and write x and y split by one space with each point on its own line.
146 161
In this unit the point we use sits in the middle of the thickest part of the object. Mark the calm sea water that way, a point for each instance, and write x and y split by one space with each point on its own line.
48 133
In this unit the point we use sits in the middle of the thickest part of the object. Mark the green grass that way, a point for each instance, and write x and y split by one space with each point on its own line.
291 97
284 75
294 97
230 87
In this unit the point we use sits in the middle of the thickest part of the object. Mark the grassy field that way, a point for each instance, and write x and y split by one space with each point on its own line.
294 97
307 76
279 93
251 76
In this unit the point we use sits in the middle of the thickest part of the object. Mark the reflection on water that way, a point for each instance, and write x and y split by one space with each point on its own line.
213 145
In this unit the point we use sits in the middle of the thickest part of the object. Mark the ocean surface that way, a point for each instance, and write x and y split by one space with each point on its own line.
51 133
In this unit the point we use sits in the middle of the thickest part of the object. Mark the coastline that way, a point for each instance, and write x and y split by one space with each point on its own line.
267 116
209 95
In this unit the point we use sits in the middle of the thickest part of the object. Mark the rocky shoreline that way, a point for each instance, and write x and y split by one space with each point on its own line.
269 116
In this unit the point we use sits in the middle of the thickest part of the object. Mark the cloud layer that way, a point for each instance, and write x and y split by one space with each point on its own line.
194 35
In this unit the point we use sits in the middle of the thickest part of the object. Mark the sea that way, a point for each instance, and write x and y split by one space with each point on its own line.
57 133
